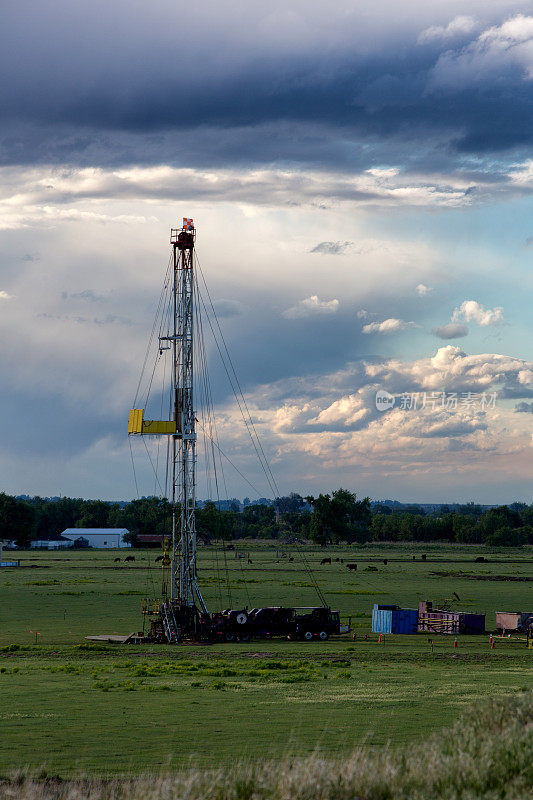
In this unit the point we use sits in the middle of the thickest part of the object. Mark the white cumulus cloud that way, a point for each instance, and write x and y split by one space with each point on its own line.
331 419
422 290
5 295
472 311
459 26
391 325
311 306
493 51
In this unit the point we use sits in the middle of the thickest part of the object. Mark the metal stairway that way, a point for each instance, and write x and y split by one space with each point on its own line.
169 623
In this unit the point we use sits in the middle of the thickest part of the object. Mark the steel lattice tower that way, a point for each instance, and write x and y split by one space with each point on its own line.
181 427
184 581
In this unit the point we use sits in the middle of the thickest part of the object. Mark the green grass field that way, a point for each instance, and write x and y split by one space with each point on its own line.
73 707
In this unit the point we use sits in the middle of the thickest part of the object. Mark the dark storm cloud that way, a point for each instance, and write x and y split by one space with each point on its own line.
56 428
87 294
450 331
128 86
331 248
515 392
228 308
524 408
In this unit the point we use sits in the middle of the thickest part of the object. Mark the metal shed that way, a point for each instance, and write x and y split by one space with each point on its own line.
382 619
448 622
471 624
393 619
518 621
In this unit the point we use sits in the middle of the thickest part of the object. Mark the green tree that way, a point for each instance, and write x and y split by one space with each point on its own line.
213 523
16 519
53 516
339 517
506 536
148 515
96 514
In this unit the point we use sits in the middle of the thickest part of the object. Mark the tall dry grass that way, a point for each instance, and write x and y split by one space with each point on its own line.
488 755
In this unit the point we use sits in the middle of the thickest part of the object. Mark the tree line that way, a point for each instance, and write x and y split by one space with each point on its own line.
333 518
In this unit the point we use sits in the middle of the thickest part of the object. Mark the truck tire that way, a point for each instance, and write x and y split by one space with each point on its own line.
308 635
241 618
323 635
244 637
229 637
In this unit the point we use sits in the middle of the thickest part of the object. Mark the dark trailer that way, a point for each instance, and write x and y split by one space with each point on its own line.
175 623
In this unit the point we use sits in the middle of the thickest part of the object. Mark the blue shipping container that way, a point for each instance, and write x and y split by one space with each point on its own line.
382 620
392 619
405 620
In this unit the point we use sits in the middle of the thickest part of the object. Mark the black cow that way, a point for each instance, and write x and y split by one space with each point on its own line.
352 566
250 561
116 559
326 561
159 558
129 558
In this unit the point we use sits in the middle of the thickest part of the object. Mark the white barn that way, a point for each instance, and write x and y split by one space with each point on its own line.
99 537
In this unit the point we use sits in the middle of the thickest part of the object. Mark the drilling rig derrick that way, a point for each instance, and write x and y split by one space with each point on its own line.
185 599
181 613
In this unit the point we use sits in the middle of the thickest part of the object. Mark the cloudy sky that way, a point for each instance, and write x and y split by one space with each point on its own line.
361 178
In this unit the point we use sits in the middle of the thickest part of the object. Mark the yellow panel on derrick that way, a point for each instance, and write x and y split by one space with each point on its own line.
159 426
137 424
135 420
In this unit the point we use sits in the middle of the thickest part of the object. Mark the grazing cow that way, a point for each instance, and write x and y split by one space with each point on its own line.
336 559
424 557
129 558
326 561
352 566
250 561
342 560
159 558
385 561
480 559
291 558
116 559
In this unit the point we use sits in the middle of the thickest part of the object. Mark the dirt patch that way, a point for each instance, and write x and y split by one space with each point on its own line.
470 577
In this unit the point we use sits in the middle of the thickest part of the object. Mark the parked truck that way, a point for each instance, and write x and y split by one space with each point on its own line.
173 624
